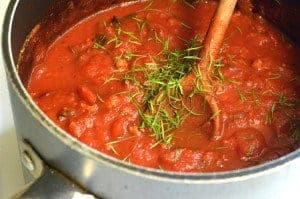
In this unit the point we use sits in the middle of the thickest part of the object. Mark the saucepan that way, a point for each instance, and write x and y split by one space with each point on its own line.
62 167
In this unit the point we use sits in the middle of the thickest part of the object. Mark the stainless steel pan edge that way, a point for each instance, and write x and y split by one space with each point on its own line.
110 178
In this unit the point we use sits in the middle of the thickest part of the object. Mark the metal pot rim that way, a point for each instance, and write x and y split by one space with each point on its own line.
74 144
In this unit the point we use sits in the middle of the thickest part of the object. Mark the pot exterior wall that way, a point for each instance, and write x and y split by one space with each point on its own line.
110 182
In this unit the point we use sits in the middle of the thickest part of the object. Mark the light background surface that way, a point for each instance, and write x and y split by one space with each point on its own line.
11 177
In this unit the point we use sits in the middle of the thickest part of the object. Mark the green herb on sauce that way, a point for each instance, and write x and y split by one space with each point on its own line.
189 4
149 6
270 114
141 23
255 98
186 25
218 74
100 41
282 103
162 109
111 145
242 96
274 76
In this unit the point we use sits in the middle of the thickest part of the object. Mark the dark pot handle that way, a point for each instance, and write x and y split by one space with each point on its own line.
48 183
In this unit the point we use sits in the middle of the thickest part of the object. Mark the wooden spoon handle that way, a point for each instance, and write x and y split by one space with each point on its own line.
216 33
212 45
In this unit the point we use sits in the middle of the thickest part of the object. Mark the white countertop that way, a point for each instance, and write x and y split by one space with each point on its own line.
11 177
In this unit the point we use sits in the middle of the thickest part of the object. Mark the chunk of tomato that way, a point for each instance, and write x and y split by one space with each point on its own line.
250 143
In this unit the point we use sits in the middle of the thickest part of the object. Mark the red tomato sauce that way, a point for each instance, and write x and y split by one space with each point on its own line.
84 83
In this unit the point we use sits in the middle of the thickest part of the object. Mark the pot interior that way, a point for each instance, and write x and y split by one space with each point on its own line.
62 15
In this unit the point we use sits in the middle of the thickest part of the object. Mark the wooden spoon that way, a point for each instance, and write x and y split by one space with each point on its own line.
212 44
